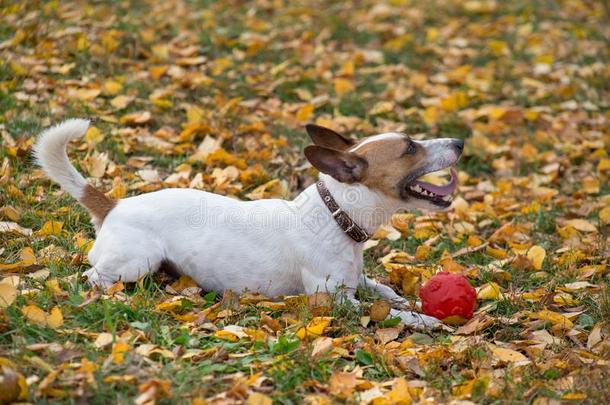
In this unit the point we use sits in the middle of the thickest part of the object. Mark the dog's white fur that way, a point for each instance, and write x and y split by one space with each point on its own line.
270 246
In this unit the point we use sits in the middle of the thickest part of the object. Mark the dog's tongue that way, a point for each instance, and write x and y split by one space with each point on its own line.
440 190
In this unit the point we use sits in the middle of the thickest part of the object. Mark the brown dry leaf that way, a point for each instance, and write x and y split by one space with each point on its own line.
12 213
342 384
385 335
321 346
380 309
12 227
152 390
103 340
183 286
477 324
582 225
8 294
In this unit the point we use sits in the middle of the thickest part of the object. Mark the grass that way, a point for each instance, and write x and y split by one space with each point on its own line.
272 58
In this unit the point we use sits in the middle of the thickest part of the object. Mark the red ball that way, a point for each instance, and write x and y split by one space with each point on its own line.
448 295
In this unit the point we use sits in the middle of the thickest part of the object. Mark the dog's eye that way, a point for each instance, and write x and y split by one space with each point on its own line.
411 148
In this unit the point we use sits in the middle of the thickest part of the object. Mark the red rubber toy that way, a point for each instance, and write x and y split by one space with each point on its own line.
448 296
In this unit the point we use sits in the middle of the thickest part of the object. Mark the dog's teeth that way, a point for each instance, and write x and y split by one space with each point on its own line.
424 193
417 188
447 198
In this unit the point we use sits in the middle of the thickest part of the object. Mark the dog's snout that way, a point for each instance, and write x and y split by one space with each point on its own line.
458 144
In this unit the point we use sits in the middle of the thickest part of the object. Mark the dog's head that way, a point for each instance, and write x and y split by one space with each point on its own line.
390 163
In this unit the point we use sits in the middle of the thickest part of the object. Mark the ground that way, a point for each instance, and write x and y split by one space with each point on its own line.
215 96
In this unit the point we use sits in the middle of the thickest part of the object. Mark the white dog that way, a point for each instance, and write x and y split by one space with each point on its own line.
275 247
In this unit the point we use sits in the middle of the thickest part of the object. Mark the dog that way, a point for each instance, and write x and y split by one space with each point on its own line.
275 247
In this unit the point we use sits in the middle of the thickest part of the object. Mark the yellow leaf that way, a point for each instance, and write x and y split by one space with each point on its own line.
582 225
256 398
194 114
590 185
55 318
141 117
305 112
94 135
604 215
489 291
86 94
422 252
558 320
603 165
112 87
119 189
536 254
8 294
507 355
454 101
51 228
382 107
314 329
430 115
120 102
498 47
118 352
400 394
34 314
226 335
574 396
342 86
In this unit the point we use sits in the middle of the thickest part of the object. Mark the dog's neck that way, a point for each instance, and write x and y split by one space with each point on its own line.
366 207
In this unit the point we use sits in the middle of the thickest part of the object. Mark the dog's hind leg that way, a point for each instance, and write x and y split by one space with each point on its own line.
119 258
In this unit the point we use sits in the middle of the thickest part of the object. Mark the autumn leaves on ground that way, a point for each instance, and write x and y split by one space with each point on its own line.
214 96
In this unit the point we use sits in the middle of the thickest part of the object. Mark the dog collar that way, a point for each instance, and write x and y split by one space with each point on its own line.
349 227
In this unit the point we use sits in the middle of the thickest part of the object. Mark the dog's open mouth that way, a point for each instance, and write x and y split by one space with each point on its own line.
430 188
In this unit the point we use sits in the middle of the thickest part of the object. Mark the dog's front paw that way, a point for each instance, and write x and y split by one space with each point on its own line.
96 279
419 321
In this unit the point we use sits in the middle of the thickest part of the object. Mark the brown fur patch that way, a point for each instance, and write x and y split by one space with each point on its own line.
97 203
387 163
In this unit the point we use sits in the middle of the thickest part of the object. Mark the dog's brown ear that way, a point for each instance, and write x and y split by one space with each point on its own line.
328 138
343 166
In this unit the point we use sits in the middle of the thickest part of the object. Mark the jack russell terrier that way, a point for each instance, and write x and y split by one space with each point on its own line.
275 247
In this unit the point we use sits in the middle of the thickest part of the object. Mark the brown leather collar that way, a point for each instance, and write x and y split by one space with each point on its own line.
348 226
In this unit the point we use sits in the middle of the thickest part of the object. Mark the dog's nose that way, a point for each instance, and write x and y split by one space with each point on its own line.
459 145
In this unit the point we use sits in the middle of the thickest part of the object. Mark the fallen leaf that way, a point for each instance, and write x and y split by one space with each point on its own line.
507 355
8 294
536 254
581 225
342 384
314 329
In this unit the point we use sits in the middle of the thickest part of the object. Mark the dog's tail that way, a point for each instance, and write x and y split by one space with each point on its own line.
50 154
